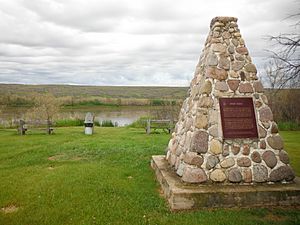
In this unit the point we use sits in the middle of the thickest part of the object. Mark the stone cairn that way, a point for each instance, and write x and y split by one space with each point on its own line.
197 150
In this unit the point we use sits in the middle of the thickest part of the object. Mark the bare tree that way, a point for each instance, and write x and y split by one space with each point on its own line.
286 58
46 107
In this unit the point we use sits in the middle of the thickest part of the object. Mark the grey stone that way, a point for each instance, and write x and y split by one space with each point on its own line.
260 173
244 162
212 59
234 175
255 156
200 142
218 48
235 42
275 141
212 161
224 63
250 68
225 150
228 162
231 49
217 175
237 65
265 114
194 175
282 173
283 156
221 86
274 128
213 130
269 158
180 169
262 132
239 57
226 35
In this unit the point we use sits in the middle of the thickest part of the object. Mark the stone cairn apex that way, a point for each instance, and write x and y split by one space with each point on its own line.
197 150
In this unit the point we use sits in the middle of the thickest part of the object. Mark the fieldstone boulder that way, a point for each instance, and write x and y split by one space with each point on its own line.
274 128
237 65
255 156
228 162
282 173
262 144
246 150
180 169
200 142
224 63
245 88
258 87
201 121
250 68
262 132
212 59
213 130
216 73
193 158
233 84
234 175
235 149
193 175
212 161
283 156
215 147
244 162
247 175
206 88
242 50
221 86
275 141
265 114
225 151
269 158
260 173
217 175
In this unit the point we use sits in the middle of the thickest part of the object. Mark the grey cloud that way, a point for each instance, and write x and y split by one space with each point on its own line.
137 42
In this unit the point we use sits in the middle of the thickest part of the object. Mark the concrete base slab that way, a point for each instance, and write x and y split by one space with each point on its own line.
182 196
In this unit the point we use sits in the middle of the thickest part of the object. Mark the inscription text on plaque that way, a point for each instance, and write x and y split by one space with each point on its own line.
238 118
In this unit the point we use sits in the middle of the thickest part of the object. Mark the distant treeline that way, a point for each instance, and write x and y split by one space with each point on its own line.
285 103
115 92
14 100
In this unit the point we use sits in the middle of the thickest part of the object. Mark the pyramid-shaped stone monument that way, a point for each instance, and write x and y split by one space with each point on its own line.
225 150
225 132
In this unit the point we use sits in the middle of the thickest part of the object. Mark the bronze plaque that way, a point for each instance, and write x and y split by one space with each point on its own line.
238 118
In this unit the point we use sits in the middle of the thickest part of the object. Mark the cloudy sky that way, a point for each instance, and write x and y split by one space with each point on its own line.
124 42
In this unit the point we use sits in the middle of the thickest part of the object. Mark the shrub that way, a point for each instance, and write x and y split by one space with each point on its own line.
290 125
107 123
69 123
140 123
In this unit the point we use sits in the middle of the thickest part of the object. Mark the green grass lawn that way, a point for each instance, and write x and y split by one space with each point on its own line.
70 178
